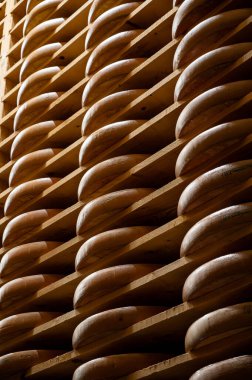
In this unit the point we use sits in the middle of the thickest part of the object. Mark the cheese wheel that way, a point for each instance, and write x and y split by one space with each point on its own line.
206 34
39 13
18 324
194 79
218 230
104 172
32 109
38 34
109 322
30 136
107 21
106 78
98 7
236 368
199 113
108 50
102 111
107 280
106 243
211 145
116 366
37 59
35 82
25 192
215 183
29 164
104 138
18 362
31 4
210 278
23 287
23 224
214 327
22 255
106 206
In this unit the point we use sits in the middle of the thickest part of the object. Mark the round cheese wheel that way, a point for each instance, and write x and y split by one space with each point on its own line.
29 164
211 145
108 50
39 13
22 255
102 111
198 115
104 172
30 136
100 325
25 223
18 324
194 79
23 287
107 280
213 184
105 137
206 34
106 243
25 192
116 366
106 22
236 368
36 36
106 206
98 7
18 362
214 327
34 83
32 109
218 230
210 278
37 59
104 79
31 4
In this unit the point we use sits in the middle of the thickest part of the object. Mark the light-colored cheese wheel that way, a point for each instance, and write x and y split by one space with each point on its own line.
36 36
218 230
236 368
23 193
106 22
37 59
215 183
100 113
189 14
39 13
105 137
108 50
107 280
35 82
206 34
104 172
98 7
108 322
106 243
29 164
214 327
106 206
210 278
30 136
18 362
33 108
198 114
211 145
23 287
104 79
194 79
22 255
31 4
18 324
25 223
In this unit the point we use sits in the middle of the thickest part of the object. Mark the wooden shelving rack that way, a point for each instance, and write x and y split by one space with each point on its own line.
156 137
